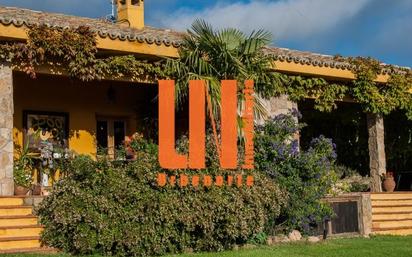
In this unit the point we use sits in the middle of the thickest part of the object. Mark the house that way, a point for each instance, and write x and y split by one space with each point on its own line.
87 115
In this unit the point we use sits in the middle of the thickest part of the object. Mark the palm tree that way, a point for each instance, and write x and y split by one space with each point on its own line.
228 54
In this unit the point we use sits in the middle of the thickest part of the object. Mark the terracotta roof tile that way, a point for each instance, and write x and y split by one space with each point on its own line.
288 55
320 60
20 17
25 17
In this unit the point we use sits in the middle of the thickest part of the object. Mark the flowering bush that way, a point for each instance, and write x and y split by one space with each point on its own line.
307 175
113 208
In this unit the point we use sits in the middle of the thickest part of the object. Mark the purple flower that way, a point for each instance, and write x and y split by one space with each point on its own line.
296 113
281 151
294 147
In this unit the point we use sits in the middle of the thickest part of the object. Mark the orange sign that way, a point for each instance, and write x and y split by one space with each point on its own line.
205 180
198 97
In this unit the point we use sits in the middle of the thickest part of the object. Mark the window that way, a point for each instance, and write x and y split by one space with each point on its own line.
102 134
110 135
41 127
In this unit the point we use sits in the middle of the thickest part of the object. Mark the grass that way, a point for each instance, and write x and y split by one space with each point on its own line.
382 246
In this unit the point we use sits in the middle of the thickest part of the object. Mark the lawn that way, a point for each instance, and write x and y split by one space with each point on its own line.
383 246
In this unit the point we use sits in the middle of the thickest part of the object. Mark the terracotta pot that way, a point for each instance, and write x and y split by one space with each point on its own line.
389 184
36 190
45 191
20 190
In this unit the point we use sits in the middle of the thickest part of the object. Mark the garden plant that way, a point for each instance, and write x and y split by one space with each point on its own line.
116 208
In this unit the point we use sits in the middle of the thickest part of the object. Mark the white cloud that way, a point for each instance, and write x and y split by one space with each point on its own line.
286 19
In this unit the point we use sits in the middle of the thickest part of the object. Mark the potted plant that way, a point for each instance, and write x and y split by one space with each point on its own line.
22 175
389 182
36 189
22 181
22 170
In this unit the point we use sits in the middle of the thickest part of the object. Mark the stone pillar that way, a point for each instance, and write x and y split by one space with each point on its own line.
376 143
6 131
366 214
280 105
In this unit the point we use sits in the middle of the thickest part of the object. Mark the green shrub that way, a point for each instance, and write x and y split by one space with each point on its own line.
258 239
306 174
350 181
118 209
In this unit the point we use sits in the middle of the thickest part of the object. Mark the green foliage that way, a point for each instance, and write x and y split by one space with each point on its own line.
117 209
131 67
307 176
259 239
228 54
21 173
325 94
376 97
350 181
74 50
212 55
23 165
346 125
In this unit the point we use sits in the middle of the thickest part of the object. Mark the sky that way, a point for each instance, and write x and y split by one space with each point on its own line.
378 28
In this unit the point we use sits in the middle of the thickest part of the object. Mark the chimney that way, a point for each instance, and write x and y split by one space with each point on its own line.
131 12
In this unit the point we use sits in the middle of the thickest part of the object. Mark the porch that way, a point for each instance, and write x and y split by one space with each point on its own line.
81 116
85 116
95 115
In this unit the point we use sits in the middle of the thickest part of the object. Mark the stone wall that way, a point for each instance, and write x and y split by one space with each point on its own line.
6 131
364 215
366 211
279 105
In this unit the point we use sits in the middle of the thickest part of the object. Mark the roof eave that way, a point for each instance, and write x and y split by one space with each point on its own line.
11 32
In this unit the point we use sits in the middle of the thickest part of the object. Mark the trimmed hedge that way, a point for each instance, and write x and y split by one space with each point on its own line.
119 210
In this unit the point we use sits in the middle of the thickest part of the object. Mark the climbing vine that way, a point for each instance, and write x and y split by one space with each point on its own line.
75 52
324 93
377 97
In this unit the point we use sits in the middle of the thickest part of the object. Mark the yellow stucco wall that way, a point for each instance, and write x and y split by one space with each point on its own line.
82 101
